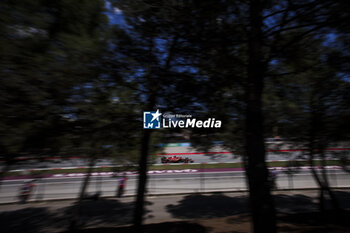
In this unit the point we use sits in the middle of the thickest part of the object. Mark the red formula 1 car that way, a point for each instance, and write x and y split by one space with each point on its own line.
175 159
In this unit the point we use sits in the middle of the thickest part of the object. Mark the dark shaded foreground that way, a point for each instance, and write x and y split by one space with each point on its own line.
316 222
313 222
166 227
212 213
208 206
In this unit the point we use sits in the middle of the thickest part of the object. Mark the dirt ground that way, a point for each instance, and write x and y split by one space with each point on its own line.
287 223
193 213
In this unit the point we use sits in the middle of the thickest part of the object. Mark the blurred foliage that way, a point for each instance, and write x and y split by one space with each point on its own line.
72 83
48 49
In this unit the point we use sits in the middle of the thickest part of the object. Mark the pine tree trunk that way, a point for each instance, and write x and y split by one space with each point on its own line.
140 199
152 86
74 224
322 182
261 202
327 187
